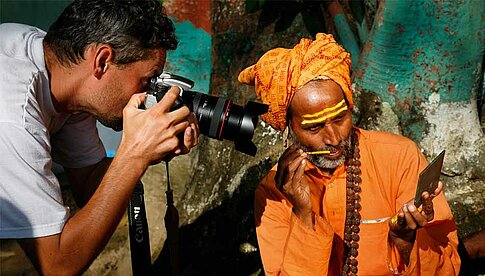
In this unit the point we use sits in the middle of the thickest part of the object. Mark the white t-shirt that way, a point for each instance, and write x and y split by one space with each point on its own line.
32 136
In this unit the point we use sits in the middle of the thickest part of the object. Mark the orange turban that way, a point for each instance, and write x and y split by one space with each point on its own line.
280 72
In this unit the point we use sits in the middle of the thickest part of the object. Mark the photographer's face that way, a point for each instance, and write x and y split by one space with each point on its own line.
122 82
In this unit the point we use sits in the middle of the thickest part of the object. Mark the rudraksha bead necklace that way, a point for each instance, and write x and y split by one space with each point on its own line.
352 221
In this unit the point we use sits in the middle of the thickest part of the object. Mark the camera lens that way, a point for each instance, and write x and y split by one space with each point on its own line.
220 119
211 113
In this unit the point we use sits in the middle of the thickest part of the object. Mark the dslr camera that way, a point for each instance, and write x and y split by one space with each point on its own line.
218 118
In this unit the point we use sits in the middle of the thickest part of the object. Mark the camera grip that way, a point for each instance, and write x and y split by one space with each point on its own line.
152 100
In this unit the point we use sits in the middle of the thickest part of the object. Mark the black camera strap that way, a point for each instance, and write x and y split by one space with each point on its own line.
139 237
139 233
171 225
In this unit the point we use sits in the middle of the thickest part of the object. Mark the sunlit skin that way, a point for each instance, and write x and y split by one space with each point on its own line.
323 132
103 88
324 116
120 85
332 133
311 99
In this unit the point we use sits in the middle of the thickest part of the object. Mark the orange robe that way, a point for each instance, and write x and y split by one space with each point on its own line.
390 168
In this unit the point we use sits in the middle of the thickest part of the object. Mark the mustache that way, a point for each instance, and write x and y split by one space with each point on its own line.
333 148
342 146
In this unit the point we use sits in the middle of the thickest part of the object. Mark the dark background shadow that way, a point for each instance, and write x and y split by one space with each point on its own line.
221 241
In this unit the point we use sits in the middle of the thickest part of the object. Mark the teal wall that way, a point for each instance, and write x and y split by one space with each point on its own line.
192 58
417 48
425 47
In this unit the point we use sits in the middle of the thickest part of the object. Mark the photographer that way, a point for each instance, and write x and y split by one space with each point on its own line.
94 63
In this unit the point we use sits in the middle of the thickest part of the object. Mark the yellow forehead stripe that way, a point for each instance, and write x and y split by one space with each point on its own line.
321 119
320 113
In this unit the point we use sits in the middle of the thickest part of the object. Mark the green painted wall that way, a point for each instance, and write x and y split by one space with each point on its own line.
424 47
347 37
192 58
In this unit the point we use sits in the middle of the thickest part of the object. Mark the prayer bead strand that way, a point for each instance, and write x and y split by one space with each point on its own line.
352 221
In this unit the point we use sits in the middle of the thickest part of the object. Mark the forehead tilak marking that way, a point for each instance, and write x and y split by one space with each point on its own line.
321 119
324 114
326 110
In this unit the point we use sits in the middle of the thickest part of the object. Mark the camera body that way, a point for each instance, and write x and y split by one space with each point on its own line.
218 118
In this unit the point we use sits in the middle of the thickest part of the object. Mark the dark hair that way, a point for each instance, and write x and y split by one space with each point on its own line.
131 27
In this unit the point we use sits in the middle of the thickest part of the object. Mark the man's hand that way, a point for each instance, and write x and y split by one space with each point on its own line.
403 225
151 135
191 134
289 180
187 140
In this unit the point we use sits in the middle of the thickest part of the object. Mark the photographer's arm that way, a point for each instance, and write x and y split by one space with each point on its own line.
87 232
85 181
148 137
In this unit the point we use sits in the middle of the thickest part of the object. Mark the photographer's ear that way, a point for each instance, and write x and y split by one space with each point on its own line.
103 57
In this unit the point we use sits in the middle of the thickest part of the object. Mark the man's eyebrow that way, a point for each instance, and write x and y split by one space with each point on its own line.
311 125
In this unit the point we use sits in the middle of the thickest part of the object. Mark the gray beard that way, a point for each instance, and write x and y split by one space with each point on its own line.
319 160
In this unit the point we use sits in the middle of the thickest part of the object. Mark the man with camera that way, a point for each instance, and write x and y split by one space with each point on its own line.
95 62
339 201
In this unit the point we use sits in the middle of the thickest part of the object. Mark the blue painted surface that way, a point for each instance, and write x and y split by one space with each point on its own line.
417 48
424 47
347 37
192 58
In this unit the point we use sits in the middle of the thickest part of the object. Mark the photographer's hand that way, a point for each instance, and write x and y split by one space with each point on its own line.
190 138
191 135
151 135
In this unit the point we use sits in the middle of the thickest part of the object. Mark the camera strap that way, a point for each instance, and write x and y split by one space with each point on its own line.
139 236
171 225
139 233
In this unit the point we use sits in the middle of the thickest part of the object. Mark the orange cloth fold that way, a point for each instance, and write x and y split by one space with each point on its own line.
280 72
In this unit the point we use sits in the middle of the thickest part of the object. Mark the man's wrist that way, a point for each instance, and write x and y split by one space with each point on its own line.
403 243
126 154
125 159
